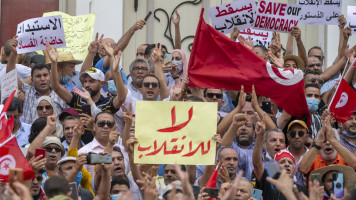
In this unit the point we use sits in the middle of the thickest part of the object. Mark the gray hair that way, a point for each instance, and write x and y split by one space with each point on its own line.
139 60
251 185
272 130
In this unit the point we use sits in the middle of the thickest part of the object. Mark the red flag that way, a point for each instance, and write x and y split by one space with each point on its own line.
212 180
343 104
218 62
12 157
6 126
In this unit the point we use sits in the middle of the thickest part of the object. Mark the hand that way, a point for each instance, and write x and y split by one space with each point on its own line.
21 192
239 119
176 20
52 53
157 53
342 21
116 61
284 184
185 81
94 46
254 101
150 190
346 196
260 127
276 60
130 144
78 129
242 99
174 70
248 43
231 192
51 123
20 95
139 24
37 163
127 114
296 32
223 174
315 191
346 33
108 49
114 136
13 45
184 178
350 53
166 68
87 121
178 94
276 43
203 195
83 94
217 139
81 160
234 34
321 136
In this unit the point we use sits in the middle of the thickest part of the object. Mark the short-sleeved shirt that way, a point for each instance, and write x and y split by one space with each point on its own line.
23 133
104 103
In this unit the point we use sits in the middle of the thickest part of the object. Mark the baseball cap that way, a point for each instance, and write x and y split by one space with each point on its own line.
94 73
300 122
68 112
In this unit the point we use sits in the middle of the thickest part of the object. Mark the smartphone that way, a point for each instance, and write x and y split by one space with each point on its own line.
40 152
213 192
94 159
257 194
273 169
338 184
74 188
315 176
167 58
148 16
266 106
15 174
86 109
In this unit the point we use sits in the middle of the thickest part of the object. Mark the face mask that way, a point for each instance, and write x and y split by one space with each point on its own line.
115 196
179 64
313 104
112 87
66 79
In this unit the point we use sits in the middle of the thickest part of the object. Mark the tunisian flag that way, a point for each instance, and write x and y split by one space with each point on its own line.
6 125
218 62
343 104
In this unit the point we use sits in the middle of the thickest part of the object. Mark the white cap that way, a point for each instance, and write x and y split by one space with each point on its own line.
68 158
94 73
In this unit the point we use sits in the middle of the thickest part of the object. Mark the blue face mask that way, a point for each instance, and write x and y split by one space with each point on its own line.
66 79
112 87
313 104
115 196
178 63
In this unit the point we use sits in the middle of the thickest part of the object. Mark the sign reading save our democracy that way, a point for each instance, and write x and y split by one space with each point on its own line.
180 133
323 12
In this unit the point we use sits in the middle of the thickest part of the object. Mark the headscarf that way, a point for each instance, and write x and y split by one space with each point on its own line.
59 128
184 64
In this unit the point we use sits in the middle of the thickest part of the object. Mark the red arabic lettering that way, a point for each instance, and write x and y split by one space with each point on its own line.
201 145
177 127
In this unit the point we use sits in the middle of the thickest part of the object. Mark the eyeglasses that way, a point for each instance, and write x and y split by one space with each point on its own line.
316 64
141 54
211 95
294 133
321 58
48 107
320 81
101 124
50 148
38 178
139 68
147 84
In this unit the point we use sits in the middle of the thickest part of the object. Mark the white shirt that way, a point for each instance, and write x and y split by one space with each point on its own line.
22 71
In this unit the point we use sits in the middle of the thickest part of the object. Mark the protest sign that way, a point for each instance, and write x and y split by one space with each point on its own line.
179 132
8 84
240 14
258 37
351 18
323 12
33 34
78 31
276 16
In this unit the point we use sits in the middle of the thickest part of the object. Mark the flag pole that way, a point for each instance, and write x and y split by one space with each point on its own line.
6 141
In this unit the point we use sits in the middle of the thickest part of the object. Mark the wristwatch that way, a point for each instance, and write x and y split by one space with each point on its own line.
316 146
175 77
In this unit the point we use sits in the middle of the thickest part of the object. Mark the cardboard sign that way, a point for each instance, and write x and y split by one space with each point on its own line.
351 18
78 31
323 12
258 37
8 84
179 132
276 16
33 34
240 14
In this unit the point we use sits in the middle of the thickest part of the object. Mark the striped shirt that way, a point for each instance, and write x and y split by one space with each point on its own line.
104 103
347 144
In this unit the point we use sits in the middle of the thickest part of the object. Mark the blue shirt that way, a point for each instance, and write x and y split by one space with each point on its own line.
23 133
100 65
66 147
74 82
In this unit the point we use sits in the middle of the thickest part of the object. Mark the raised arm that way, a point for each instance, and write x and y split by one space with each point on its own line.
56 86
119 82
136 174
257 151
334 69
296 32
11 64
157 58
351 53
289 46
177 38
283 119
92 50
105 183
238 121
266 119
344 35
234 34
128 121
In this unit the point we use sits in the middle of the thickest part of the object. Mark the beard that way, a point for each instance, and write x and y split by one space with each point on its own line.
92 92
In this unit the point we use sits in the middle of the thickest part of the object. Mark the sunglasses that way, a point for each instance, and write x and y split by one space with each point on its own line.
50 148
39 178
211 95
321 58
101 124
294 133
316 64
320 81
48 107
147 84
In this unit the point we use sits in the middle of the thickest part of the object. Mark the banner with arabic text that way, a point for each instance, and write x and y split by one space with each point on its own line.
178 132
323 12
351 18
33 34
258 37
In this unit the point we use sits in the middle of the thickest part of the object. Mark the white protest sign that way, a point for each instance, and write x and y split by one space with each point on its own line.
258 37
351 18
240 14
323 12
8 84
275 16
33 34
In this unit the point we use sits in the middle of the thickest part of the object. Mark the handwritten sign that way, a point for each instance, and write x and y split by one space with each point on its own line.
275 16
8 84
78 31
33 34
240 13
323 12
258 37
351 18
180 132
